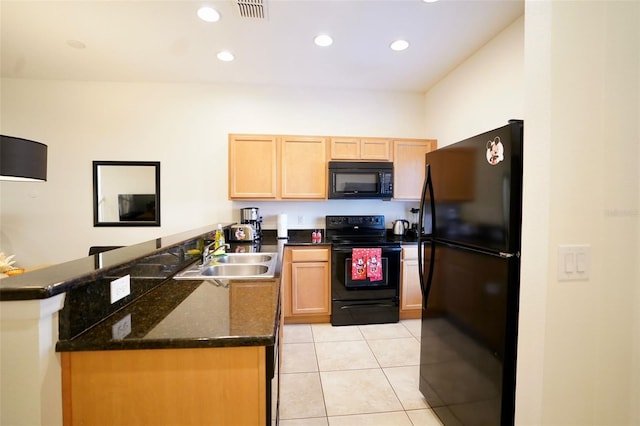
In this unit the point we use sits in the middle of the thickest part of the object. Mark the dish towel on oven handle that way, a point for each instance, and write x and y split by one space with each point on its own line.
374 264
366 263
358 264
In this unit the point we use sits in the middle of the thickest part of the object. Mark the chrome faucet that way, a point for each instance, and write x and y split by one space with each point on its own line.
207 253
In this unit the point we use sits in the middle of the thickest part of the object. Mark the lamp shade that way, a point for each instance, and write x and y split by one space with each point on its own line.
22 159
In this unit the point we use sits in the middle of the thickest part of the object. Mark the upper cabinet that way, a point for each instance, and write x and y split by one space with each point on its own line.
277 167
303 174
409 157
253 167
269 167
372 149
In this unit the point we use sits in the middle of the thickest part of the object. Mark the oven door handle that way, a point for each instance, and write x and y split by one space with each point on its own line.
349 249
359 305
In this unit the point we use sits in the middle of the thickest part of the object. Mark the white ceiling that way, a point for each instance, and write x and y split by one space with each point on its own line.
164 41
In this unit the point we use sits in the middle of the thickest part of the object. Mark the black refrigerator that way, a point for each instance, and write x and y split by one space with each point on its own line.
471 216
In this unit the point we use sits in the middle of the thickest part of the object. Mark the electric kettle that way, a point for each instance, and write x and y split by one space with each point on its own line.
400 226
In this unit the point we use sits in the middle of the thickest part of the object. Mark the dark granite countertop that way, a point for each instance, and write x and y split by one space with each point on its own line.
186 314
189 314
63 277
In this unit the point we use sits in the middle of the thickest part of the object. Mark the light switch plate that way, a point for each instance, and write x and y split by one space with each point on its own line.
574 262
120 288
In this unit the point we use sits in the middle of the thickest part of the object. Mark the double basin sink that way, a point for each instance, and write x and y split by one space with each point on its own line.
233 266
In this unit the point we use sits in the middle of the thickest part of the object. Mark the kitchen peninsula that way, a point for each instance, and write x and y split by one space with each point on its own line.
181 350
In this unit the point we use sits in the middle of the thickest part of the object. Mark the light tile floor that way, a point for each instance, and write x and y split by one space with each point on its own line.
352 375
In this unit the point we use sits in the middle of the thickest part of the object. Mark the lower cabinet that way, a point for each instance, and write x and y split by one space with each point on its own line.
410 291
206 386
306 284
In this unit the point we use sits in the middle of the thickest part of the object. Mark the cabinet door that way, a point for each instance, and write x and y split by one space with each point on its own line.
375 149
345 148
304 168
411 294
309 289
410 291
253 167
408 166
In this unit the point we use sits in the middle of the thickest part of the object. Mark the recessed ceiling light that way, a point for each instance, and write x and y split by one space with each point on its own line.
323 40
76 44
208 14
225 56
429 1
399 45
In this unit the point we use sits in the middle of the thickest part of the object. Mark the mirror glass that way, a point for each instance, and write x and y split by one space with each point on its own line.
126 193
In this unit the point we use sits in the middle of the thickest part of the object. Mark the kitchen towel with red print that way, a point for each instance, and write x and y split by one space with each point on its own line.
366 263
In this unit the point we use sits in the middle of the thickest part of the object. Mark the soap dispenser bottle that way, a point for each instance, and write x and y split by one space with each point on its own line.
219 245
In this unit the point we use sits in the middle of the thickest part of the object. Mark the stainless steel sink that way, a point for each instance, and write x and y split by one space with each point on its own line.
244 258
233 266
238 270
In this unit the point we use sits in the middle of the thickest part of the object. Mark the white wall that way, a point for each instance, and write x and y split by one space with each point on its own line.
185 127
579 358
592 67
483 93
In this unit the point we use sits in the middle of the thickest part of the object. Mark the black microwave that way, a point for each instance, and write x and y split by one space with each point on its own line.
360 180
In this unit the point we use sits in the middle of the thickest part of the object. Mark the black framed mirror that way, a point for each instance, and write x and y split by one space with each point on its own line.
126 193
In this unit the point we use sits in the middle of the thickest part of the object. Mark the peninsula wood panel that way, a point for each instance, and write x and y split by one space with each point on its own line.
210 386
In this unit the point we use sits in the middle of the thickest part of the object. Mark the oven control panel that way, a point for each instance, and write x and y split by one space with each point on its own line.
349 222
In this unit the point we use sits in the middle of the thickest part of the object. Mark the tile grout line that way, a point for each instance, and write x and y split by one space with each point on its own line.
315 353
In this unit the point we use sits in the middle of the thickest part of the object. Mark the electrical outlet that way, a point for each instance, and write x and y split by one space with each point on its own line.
300 220
122 328
120 288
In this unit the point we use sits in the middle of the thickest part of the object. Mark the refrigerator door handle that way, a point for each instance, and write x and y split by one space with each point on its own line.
508 255
427 187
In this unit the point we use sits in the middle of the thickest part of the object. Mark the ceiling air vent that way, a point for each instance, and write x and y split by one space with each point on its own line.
252 8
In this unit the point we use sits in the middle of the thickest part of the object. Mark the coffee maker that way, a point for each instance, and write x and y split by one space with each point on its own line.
251 216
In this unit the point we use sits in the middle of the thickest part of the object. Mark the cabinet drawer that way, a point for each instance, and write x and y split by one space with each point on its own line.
310 255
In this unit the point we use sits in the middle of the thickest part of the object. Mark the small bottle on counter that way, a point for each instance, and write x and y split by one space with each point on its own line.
316 236
219 244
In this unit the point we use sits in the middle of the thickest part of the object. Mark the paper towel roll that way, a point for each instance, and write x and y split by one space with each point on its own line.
282 225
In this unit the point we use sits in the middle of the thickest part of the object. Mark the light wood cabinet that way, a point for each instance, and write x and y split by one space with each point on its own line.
253 167
208 386
372 149
277 167
271 167
409 167
303 174
306 284
410 291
